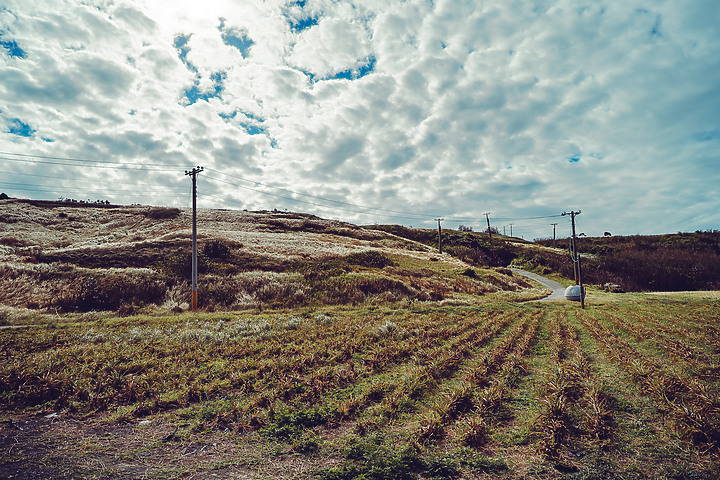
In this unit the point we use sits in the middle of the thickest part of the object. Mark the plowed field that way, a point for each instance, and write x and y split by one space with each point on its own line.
626 389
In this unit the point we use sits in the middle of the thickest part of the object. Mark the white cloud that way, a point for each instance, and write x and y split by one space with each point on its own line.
332 46
455 106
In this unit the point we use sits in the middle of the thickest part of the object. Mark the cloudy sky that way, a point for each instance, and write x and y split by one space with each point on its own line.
372 111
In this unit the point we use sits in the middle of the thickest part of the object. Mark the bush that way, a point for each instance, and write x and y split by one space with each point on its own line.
13 242
217 249
162 213
370 259
178 266
111 292
354 289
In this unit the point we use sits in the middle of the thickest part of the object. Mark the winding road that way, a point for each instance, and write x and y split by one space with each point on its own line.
558 291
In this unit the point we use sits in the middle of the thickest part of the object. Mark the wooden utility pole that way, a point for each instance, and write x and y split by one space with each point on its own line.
575 256
193 174
487 217
439 234
511 229
554 225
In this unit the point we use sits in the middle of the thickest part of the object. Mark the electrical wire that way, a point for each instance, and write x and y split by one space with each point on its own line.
83 160
115 166
320 198
336 204
408 216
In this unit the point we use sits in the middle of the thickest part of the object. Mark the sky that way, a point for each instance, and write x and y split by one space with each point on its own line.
372 111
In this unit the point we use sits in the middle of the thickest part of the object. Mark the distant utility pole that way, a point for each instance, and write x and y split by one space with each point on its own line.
439 234
554 225
511 229
487 217
575 256
193 174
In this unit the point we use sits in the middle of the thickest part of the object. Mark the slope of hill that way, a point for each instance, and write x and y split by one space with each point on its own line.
652 263
80 257
672 262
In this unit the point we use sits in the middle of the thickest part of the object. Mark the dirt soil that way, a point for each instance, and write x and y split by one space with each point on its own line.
56 446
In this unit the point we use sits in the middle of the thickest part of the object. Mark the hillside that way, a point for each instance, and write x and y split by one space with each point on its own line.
70 257
671 262
638 263
329 351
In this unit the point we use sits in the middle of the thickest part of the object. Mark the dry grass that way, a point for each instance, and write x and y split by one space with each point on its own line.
62 257
323 350
494 392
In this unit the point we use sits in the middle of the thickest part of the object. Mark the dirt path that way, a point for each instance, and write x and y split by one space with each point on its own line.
558 291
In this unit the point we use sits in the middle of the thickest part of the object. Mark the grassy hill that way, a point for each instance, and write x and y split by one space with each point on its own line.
652 263
672 262
327 351
72 257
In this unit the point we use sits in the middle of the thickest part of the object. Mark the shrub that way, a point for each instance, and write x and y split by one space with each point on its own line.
354 289
217 249
110 292
13 242
370 259
178 266
162 213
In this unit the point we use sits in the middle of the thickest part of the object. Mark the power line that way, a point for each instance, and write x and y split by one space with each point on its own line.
83 160
338 205
107 166
315 196
32 186
407 216
74 179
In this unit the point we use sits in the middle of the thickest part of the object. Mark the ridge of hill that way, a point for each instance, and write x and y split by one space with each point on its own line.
638 263
71 256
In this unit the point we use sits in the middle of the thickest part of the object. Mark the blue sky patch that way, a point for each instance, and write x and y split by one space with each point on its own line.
182 47
300 21
193 94
707 136
13 48
20 128
228 116
250 124
311 76
253 129
303 24
358 72
574 159
238 40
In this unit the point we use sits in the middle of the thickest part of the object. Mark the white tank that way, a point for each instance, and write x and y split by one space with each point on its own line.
572 293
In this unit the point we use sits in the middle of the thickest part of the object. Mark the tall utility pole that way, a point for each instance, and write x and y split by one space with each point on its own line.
487 217
193 174
511 229
575 255
439 234
554 225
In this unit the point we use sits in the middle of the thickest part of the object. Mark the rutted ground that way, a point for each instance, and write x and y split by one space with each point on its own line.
620 390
